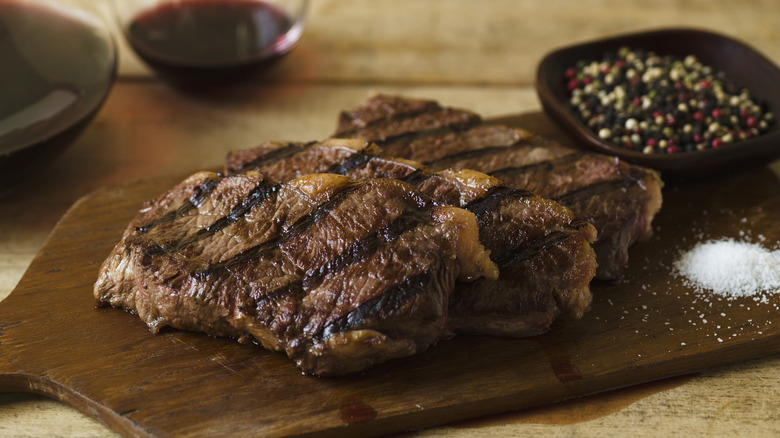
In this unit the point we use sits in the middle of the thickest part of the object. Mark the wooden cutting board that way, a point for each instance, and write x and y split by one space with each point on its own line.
107 364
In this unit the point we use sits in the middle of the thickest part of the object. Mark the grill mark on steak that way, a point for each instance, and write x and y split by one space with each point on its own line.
417 177
424 108
595 189
306 222
294 288
491 202
532 248
273 156
545 166
452 159
397 117
201 192
528 249
357 252
353 162
360 159
361 249
258 195
300 226
390 298
388 140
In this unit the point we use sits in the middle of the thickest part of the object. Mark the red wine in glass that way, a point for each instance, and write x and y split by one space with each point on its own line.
200 41
57 66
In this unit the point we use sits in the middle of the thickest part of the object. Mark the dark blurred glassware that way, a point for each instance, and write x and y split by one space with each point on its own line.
57 65
194 42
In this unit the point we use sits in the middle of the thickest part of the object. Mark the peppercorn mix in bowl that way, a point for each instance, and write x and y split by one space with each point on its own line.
687 102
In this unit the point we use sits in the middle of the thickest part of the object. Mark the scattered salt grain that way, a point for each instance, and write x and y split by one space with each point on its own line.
731 268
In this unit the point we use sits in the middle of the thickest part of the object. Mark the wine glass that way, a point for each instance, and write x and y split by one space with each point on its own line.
197 42
57 66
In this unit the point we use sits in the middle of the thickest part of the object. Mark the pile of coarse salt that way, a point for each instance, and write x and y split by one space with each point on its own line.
731 268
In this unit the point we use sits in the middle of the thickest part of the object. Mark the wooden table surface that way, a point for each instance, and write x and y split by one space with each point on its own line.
477 55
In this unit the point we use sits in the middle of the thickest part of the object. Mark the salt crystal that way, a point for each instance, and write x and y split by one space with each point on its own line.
731 268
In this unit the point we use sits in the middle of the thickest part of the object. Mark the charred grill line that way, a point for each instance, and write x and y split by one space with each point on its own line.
358 251
356 160
391 298
292 289
417 177
200 193
591 190
432 132
531 249
494 198
545 166
273 156
527 249
301 225
367 246
578 223
257 196
451 159
204 190
392 118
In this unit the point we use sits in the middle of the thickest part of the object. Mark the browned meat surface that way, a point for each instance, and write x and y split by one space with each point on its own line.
619 199
543 252
338 274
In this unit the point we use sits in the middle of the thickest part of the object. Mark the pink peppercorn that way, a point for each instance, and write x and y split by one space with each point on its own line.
691 110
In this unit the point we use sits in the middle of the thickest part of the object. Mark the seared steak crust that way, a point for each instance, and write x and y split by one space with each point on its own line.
619 199
543 252
338 274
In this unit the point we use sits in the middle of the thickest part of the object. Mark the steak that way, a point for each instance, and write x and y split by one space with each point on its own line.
542 251
338 274
618 198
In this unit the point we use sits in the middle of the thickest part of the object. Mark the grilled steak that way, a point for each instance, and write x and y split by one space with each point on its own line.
543 252
619 199
338 274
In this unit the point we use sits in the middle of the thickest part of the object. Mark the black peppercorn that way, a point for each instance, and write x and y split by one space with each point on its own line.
663 104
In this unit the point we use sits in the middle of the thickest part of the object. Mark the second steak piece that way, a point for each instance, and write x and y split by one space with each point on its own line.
618 198
543 252
339 274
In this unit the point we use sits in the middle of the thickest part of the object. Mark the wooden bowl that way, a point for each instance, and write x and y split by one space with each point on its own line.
737 60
